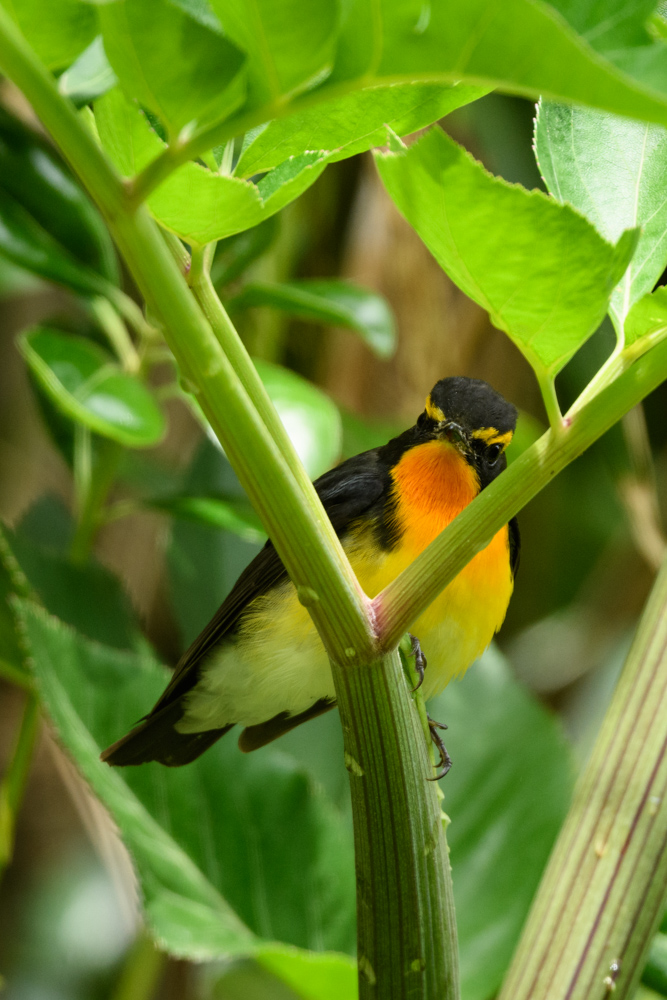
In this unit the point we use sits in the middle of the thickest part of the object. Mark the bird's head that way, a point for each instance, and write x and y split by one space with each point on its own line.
474 419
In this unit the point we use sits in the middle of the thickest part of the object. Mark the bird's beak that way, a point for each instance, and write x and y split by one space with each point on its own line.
455 434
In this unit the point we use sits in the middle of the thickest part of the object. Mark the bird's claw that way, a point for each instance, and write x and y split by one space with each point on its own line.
445 761
420 660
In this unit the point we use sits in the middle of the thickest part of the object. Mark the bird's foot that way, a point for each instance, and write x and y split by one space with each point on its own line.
445 761
420 660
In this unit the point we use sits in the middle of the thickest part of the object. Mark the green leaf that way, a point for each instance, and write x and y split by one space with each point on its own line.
542 271
12 582
203 560
311 419
655 972
88 387
195 203
25 243
228 514
354 123
647 319
313 976
200 206
519 46
58 31
32 174
331 302
507 793
618 31
89 598
290 44
204 838
622 189
90 76
171 63
235 254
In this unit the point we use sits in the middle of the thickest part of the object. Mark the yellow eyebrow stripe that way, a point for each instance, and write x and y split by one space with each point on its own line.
434 412
491 435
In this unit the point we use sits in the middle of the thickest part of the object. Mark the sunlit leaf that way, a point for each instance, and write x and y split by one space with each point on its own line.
58 30
542 271
614 171
331 302
525 47
178 68
647 319
88 387
194 202
354 123
290 44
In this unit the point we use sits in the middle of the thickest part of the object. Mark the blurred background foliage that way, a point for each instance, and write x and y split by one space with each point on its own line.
348 366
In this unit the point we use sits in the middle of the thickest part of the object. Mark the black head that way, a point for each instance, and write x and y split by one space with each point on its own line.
475 419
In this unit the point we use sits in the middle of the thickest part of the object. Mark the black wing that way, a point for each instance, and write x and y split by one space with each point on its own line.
346 492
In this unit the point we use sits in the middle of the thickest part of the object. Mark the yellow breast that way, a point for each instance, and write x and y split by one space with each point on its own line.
432 484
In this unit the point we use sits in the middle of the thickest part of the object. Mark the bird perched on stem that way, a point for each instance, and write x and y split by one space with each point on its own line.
260 663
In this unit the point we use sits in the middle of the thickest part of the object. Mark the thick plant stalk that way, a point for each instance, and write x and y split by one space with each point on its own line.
603 893
395 811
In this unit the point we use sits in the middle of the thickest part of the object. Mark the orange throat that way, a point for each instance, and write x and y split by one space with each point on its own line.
433 483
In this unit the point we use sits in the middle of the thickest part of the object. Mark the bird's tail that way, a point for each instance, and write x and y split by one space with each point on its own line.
156 738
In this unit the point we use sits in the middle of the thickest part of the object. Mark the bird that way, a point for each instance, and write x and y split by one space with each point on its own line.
260 664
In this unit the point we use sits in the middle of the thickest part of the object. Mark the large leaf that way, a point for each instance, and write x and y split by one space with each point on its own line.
208 837
290 43
58 30
517 45
173 65
354 123
331 302
542 271
194 202
87 386
613 170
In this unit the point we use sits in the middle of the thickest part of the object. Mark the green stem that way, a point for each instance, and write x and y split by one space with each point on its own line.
404 600
94 471
603 893
550 398
116 331
233 346
15 675
401 855
141 972
15 779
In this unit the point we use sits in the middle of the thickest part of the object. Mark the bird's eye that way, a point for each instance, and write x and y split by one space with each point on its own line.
493 454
